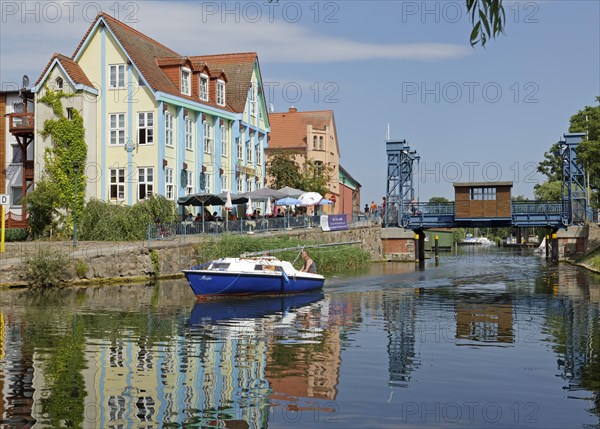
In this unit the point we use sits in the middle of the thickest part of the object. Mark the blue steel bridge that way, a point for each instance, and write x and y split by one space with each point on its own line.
401 210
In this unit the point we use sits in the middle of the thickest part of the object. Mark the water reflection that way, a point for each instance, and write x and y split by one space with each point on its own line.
392 347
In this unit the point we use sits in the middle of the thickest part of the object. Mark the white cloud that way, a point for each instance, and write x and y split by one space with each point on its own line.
28 40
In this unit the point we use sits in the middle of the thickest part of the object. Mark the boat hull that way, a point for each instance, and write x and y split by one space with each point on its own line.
214 283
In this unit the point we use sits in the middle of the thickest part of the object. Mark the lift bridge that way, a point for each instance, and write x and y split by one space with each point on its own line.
483 204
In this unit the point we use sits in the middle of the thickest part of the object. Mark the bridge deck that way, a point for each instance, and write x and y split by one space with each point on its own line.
443 215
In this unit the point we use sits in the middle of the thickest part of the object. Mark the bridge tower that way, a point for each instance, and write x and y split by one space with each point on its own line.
574 194
400 190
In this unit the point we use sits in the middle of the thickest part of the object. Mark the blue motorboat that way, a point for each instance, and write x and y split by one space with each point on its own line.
245 276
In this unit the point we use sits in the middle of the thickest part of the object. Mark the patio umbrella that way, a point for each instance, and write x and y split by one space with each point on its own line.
325 201
310 198
249 208
268 212
288 201
263 194
291 192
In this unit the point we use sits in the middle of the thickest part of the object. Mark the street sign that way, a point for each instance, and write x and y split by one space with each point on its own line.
4 201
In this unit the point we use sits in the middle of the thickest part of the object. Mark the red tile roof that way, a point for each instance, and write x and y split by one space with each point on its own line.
71 67
238 69
288 130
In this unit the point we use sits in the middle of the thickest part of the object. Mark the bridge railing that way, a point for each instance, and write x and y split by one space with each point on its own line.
537 208
429 209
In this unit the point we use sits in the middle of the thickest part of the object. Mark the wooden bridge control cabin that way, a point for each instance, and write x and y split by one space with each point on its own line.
483 202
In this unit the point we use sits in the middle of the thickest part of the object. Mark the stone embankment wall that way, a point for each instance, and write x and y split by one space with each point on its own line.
133 261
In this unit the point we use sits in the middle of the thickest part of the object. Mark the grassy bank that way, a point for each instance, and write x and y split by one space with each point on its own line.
592 260
328 259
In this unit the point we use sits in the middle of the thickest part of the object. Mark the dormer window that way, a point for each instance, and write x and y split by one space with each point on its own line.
186 81
59 83
203 87
220 92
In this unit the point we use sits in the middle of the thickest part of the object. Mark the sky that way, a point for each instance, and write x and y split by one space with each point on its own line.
471 114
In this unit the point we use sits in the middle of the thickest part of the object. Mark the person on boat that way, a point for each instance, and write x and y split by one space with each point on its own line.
309 264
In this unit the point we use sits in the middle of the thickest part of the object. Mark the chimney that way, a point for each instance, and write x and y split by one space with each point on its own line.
293 110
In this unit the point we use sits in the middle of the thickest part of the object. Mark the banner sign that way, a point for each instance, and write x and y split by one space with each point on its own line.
334 222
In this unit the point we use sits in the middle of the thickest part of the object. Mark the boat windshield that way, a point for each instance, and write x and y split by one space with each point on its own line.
220 266
260 267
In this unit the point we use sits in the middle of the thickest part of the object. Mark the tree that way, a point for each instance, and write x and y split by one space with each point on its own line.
550 190
42 204
439 200
312 176
488 19
284 170
586 120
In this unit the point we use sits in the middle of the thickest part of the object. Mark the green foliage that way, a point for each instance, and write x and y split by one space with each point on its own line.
42 204
332 259
311 176
459 234
15 234
548 191
439 200
518 198
155 261
488 19
81 268
101 221
551 166
46 268
64 160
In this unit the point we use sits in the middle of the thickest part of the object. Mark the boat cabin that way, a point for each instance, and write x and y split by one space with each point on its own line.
482 200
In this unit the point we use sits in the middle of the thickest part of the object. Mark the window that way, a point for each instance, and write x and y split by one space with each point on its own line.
169 129
224 141
169 187
117 76
220 92
240 184
145 128
253 98
478 194
225 182
203 87
321 143
208 182
259 152
17 155
145 183
70 113
249 183
16 196
318 168
189 134
315 142
238 146
189 188
117 183
208 138
59 83
117 129
185 81
249 149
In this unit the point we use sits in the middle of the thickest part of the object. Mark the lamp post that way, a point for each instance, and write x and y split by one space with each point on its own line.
75 171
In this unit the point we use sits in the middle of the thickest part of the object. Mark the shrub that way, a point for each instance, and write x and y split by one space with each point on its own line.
16 234
81 268
46 269
41 206
102 221
154 259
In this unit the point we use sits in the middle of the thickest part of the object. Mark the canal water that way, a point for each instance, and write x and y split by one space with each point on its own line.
482 339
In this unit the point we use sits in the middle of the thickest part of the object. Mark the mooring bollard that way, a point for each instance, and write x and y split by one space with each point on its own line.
437 247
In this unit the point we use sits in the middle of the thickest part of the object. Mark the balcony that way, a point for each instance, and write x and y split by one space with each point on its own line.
20 123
